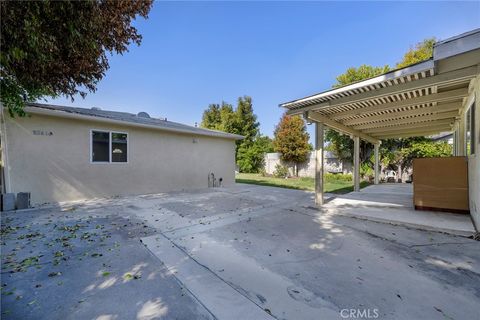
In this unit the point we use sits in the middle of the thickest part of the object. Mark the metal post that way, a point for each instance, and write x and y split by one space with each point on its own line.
318 163
356 163
376 169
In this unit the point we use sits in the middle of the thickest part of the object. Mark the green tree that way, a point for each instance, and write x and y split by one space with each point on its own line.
425 149
421 52
249 154
211 117
251 158
291 140
392 156
357 74
52 48
250 151
220 117
247 123
228 119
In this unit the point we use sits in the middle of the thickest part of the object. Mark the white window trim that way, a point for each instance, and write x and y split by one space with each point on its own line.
109 147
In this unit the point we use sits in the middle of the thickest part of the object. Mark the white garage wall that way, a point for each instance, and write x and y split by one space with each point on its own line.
57 167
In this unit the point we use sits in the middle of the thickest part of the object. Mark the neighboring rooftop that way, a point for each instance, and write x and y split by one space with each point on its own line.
142 119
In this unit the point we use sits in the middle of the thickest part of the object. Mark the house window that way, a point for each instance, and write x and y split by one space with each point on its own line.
470 130
100 146
109 146
119 147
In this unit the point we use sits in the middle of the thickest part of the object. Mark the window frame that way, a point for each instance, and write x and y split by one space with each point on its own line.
472 114
109 146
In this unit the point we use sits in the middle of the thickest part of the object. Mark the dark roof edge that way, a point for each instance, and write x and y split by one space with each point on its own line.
61 111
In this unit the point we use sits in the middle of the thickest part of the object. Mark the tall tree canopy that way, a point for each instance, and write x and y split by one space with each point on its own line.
248 126
422 51
220 117
291 140
241 120
357 74
52 48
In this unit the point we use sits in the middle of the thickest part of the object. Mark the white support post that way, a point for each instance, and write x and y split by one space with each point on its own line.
318 163
376 169
356 163
454 146
461 136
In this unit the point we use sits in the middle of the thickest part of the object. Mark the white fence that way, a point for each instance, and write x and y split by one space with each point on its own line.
307 169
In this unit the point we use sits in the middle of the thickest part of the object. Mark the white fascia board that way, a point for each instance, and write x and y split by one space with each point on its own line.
457 45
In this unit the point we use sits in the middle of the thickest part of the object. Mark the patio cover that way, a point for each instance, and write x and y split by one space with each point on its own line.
419 100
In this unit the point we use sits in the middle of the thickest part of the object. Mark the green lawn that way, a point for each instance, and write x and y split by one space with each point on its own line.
330 184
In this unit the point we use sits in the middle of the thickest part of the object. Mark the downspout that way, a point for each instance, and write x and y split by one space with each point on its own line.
3 136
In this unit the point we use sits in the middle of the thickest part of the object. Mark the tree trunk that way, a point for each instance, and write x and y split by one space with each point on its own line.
399 173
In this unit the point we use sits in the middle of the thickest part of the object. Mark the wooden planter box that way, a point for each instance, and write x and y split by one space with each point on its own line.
441 184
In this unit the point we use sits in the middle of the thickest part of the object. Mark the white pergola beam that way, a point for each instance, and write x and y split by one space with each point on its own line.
434 129
436 97
317 117
397 114
413 134
438 116
414 126
446 78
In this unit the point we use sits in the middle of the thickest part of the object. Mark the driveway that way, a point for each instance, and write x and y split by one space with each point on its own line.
245 252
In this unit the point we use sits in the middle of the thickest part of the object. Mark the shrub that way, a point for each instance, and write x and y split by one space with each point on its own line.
338 177
366 171
280 171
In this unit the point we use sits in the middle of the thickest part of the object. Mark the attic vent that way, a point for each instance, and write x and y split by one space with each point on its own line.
96 108
143 115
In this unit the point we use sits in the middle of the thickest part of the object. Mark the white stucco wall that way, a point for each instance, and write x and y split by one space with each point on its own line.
474 160
306 169
57 168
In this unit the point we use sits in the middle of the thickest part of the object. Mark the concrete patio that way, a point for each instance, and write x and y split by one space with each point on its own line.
393 203
246 252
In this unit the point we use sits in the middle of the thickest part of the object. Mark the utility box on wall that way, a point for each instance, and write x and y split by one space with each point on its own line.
441 184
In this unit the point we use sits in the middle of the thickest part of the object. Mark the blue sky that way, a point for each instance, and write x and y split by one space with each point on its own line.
196 53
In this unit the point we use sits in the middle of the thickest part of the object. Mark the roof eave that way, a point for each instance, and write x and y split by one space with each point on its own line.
63 114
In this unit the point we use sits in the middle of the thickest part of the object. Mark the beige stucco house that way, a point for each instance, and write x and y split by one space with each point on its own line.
62 154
